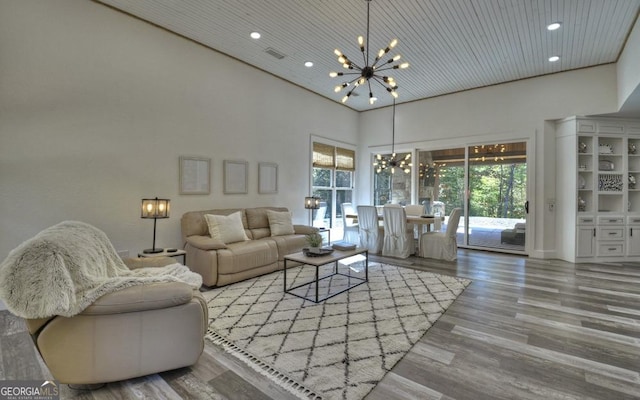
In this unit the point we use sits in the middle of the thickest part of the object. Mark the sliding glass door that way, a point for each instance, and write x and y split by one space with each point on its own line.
497 203
494 179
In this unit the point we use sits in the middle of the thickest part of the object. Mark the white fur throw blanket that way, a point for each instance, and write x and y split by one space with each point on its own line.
65 268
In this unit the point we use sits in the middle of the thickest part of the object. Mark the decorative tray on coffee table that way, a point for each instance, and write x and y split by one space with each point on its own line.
323 251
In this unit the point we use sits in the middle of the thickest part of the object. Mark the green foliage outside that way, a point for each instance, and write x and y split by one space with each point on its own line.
498 190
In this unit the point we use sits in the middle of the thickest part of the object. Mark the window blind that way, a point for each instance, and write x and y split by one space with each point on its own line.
345 159
323 155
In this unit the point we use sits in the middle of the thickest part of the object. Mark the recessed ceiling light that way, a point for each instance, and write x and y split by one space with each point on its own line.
554 26
255 35
553 58
308 64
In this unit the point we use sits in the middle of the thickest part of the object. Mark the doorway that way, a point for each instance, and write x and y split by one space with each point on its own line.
497 204
489 183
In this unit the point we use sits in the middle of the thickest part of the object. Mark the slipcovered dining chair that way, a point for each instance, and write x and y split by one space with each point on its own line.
351 229
442 245
398 236
318 219
371 233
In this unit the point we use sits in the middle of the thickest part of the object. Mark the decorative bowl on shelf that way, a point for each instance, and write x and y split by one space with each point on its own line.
605 149
632 148
606 165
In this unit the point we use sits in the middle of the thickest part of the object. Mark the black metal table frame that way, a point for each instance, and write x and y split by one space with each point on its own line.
318 279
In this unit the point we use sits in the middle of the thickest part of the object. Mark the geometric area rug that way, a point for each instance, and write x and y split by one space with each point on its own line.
339 348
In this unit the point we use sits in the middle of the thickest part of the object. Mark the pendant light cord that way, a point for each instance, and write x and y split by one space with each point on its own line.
393 128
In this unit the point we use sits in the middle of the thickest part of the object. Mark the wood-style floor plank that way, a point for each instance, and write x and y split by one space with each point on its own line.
524 329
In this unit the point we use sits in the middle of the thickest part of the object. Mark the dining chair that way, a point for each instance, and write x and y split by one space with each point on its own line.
442 245
398 236
371 233
318 220
351 229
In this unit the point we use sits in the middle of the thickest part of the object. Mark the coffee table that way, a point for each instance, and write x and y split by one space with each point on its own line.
319 261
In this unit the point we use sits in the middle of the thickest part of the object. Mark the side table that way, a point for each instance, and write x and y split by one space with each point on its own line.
328 232
166 253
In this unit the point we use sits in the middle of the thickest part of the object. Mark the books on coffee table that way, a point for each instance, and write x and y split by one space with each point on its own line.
343 246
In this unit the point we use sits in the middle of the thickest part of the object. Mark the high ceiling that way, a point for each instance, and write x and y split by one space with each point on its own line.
451 45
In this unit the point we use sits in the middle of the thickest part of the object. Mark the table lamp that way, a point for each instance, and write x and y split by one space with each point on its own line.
154 208
311 203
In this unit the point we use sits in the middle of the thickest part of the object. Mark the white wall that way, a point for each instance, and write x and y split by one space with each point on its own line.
96 107
515 110
628 66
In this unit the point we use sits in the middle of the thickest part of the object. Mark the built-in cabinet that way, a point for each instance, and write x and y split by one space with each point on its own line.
598 189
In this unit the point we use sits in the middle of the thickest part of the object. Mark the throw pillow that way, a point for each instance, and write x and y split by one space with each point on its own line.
227 228
280 223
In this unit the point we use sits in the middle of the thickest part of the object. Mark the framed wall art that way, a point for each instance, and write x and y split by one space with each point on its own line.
235 177
194 175
267 178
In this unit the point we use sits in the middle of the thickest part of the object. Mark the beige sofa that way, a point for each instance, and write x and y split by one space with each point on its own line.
97 318
133 332
221 264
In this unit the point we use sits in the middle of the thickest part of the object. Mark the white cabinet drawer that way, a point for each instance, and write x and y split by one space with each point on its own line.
611 233
610 249
612 220
633 220
590 220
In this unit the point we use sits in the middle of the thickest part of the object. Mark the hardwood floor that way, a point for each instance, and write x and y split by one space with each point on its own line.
524 329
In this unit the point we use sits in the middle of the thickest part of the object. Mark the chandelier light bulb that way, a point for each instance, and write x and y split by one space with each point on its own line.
345 98
333 74
337 52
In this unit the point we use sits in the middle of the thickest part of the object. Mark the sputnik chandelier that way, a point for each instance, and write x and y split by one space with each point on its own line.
368 73
382 162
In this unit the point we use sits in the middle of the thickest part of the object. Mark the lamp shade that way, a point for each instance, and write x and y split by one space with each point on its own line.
155 208
311 203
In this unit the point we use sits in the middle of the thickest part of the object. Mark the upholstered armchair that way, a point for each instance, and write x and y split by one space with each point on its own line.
142 321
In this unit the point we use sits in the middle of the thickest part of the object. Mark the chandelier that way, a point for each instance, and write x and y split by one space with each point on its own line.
494 152
368 72
382 162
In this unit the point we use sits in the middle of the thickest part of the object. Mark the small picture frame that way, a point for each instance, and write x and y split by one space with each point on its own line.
194 175
267 178
235 177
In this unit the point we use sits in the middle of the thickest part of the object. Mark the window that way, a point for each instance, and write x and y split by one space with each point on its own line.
332 181
392 187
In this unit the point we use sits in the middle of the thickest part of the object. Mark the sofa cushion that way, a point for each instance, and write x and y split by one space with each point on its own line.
206 242
228 229
257 217
280 223
243 256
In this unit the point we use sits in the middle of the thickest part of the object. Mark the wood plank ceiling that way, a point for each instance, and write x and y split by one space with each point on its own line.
451 45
